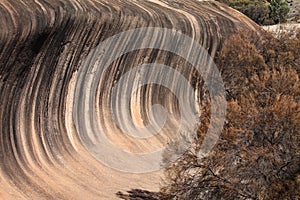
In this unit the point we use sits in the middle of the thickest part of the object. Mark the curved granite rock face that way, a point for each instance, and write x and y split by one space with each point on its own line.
50 98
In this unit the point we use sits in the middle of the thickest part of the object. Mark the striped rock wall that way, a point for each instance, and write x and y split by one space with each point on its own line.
47 130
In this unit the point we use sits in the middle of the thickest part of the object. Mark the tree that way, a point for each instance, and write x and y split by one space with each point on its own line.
279 10
261 12
258 154
257 10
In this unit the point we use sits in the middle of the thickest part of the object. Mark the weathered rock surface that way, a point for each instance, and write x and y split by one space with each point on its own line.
44 153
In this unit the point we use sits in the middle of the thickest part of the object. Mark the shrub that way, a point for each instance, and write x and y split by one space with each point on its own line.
257 10
261 12
279 10
258 153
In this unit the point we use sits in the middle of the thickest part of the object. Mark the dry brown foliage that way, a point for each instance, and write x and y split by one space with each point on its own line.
258 153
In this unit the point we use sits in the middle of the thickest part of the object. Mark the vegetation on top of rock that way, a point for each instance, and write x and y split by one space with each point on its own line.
260 11
279 10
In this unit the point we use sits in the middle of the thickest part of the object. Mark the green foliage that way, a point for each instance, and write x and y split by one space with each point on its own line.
260 11
279 10
258 153
257 10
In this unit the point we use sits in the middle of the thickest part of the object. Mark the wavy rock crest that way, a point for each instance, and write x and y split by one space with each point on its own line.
44 58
